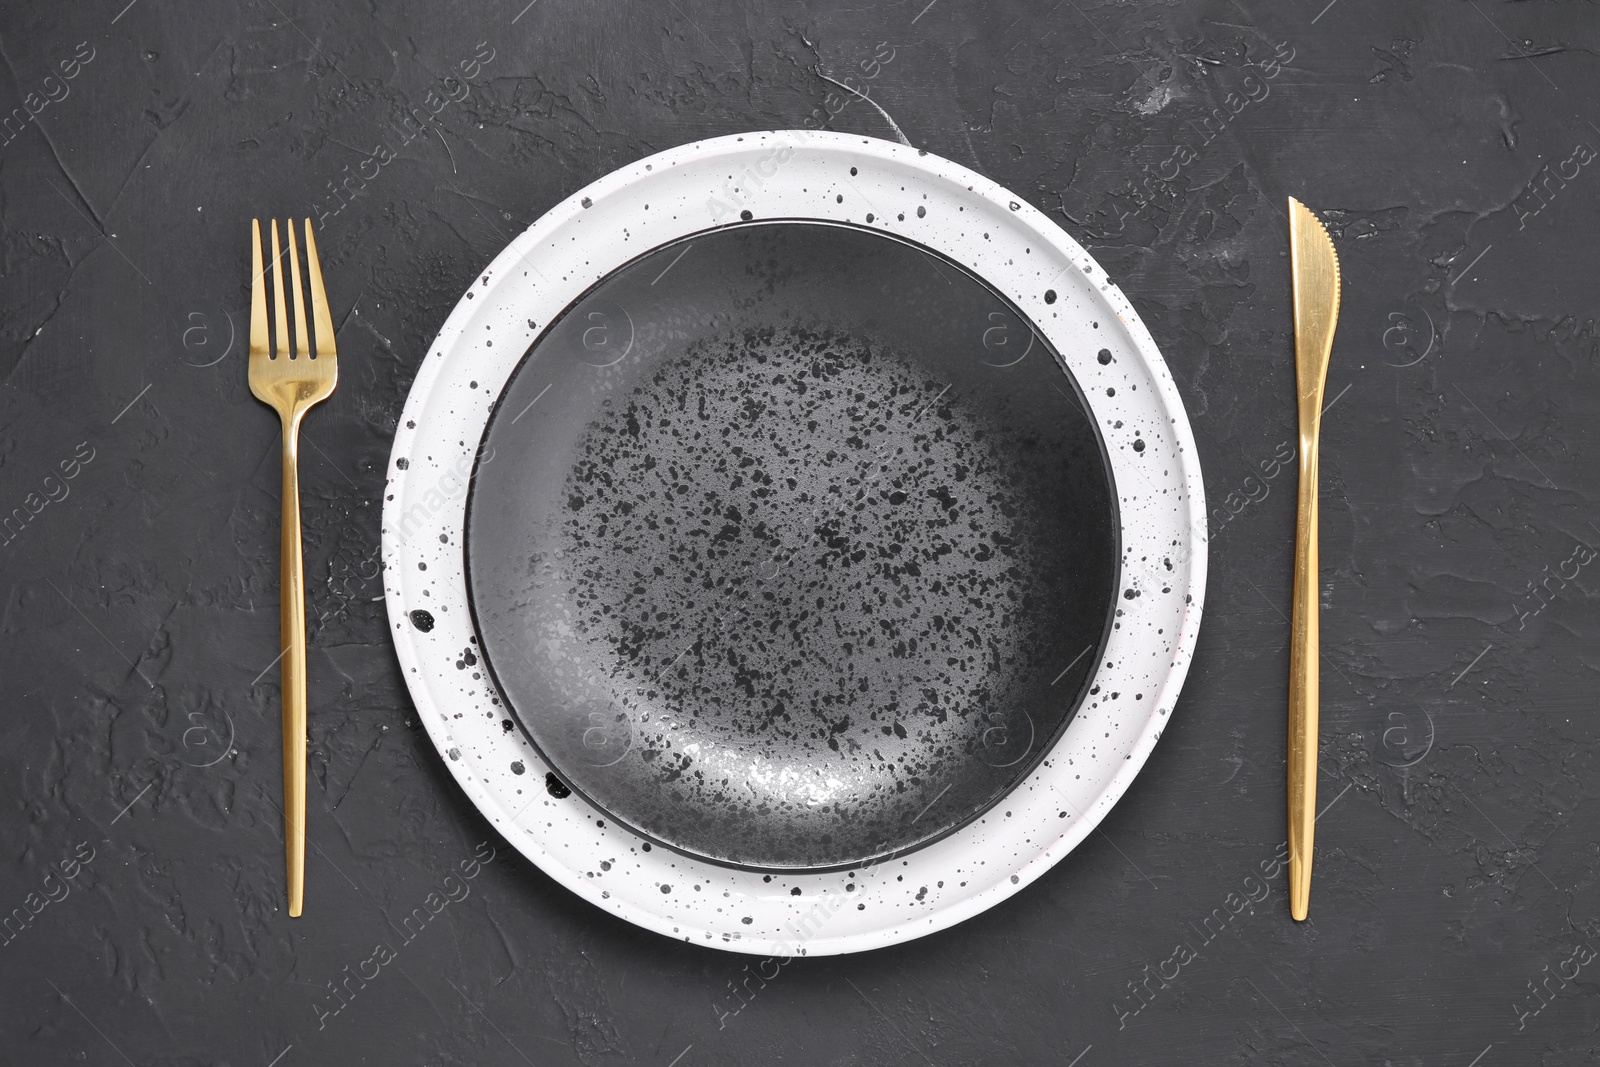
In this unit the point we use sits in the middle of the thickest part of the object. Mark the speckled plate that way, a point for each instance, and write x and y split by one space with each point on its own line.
783 573
563 603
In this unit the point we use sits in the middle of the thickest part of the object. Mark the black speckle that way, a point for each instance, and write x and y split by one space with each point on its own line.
852 172
587 202
747 920
1049 296
555 787
422 620
403 463
746 215
922 212
1138 444
666 889
795 891
517 767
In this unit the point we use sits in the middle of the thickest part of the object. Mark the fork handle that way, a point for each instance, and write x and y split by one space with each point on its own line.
1304 673
292 636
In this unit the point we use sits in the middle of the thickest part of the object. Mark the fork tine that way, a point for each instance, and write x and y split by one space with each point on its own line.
302 345
258 294
319 298
282 313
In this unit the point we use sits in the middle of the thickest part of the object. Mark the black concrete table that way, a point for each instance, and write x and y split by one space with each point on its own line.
1451 147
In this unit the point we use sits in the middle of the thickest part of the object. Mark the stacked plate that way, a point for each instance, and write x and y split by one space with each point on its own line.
794 543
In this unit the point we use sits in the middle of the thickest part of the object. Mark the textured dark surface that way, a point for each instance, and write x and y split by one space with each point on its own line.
880 534
1449 145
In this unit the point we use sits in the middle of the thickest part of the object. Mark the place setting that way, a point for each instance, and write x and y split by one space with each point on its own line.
793 542
705 534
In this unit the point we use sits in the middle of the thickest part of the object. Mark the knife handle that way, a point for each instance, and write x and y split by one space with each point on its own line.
1303 683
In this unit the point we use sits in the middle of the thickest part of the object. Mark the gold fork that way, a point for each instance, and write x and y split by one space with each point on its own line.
290 382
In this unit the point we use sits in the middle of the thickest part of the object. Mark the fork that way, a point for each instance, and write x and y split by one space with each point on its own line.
290 382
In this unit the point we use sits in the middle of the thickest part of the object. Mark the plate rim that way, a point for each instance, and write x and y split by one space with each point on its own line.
1188 479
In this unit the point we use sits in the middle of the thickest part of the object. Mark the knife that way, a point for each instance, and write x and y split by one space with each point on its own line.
1315 274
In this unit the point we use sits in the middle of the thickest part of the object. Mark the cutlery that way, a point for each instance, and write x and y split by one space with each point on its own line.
1315 273
290 381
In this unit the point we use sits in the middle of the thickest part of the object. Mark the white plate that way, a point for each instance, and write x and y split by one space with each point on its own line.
1020 253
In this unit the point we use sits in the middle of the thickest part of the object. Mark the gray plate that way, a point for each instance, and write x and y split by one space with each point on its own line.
777 532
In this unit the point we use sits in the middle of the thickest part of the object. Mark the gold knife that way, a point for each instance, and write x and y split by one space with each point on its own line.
1315 272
